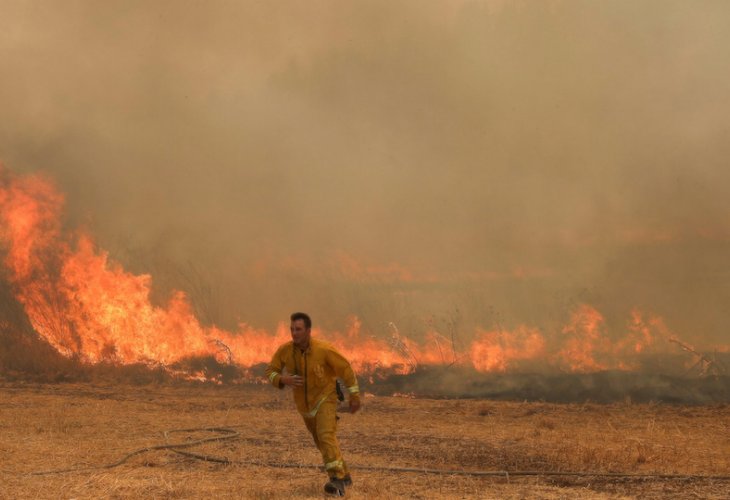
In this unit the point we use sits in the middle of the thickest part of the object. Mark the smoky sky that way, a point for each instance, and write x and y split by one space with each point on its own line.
482 162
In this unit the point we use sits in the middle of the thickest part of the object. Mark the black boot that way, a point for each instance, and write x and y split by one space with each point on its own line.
335 487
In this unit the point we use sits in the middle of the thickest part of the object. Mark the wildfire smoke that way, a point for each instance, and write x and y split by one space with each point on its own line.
86 305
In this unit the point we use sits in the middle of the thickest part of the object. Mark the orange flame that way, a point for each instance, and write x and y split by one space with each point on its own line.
85 305
496 351
585 337
88 306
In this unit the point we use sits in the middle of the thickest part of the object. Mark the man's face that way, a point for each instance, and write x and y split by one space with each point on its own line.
300 333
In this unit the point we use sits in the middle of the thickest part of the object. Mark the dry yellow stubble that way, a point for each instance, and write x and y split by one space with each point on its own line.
48 427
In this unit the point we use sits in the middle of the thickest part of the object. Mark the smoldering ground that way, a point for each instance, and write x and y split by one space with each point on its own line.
471 164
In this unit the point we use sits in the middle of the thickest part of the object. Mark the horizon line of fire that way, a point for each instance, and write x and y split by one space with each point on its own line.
86 305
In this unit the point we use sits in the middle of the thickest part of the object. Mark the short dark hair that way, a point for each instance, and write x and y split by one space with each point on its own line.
303 316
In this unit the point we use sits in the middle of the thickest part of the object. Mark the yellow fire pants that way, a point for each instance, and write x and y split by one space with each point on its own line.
323 427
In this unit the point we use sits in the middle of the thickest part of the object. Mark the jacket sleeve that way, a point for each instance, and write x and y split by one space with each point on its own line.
344 370
273 371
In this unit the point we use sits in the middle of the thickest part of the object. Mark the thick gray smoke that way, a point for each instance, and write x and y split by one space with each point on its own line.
460 163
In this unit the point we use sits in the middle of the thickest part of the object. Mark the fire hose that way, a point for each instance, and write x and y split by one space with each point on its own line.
229 434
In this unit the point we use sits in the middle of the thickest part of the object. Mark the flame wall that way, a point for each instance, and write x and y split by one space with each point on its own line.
88 307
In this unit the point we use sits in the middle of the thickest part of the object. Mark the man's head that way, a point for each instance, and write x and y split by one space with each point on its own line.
301 329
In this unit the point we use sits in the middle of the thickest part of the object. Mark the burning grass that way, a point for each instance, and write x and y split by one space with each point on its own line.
75 425
60 285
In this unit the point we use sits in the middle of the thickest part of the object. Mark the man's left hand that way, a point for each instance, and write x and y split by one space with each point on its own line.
354 405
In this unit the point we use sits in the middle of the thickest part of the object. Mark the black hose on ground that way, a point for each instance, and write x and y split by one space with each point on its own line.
227 434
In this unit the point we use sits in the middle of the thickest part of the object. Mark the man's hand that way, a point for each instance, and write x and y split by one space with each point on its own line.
292 380
354 404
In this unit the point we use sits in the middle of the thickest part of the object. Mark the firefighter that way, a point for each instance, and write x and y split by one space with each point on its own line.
311 368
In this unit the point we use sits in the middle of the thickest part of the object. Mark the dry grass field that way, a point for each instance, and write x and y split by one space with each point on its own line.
48 427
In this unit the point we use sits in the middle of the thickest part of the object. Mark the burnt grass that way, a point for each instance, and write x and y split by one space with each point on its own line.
599 387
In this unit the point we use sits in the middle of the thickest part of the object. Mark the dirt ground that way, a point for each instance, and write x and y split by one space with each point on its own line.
72 426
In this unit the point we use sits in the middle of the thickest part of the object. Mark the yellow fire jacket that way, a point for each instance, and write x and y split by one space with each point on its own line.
320 366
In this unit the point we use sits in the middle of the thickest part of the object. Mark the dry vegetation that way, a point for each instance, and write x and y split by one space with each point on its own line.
73 425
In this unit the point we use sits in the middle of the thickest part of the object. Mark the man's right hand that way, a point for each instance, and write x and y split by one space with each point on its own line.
292 380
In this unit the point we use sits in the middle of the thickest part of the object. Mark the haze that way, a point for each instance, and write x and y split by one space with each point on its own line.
471 163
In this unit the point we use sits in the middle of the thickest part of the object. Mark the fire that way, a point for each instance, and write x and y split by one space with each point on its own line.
589 347
496 351
585 338
367 353
86 305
